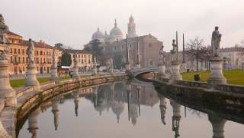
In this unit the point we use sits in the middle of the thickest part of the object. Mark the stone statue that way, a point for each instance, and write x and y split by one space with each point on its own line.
30 52
75 59
54 57
4 41
215 42
3 29
174 51
161 55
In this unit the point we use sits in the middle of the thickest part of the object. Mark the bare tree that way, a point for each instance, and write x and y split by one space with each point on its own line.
196 50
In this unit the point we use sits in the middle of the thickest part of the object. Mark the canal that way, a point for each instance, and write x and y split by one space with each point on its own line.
124 110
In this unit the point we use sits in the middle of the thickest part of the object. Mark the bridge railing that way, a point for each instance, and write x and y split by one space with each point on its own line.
238 89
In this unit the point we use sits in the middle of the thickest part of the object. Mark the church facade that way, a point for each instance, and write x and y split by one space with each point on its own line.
143 50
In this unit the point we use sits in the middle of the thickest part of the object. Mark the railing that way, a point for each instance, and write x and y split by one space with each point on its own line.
238 89
192 84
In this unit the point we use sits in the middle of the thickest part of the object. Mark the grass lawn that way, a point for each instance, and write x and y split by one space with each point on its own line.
21 82
233 76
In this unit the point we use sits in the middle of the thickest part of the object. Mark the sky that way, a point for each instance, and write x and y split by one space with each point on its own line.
72 22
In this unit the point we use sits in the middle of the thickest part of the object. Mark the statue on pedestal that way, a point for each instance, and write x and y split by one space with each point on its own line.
3 30
161 55
215 42
30 52
75 59
174 51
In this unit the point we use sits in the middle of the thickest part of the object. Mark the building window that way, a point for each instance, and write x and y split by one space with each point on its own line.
11 60
11 50
23 51
18 51
15 51
23 59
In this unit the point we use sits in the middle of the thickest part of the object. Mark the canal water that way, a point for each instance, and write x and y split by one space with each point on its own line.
120 110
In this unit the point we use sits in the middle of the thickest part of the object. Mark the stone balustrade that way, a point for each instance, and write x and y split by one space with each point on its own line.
28 98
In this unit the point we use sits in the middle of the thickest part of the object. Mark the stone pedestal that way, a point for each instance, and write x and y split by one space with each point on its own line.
94 71
6 91
127 67
216 76
31 79
54 73
75 73
111 71
175 72
161 70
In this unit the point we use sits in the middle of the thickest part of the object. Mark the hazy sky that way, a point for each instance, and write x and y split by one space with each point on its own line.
72 22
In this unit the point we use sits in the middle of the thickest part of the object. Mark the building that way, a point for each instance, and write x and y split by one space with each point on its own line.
84 59
18 57
143 50
233 57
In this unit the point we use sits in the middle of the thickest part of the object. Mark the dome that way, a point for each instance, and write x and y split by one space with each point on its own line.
98 35
115 33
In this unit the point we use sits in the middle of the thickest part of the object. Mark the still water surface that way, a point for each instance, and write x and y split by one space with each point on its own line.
122 111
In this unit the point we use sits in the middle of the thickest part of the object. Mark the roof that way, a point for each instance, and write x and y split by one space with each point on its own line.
77 51
11 33
36 44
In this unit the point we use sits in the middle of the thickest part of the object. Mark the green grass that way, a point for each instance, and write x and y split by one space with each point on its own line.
233 76
21 82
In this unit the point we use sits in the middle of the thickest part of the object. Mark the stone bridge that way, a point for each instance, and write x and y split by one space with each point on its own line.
137 71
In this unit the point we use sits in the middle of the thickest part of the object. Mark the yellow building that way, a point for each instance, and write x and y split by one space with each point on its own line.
84 59
18 57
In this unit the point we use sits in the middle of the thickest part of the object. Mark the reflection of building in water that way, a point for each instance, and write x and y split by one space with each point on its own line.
163 106
217 124
176 117
117 108
33 124
55 111
115 95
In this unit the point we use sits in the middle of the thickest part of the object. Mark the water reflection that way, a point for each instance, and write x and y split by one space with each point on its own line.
129 99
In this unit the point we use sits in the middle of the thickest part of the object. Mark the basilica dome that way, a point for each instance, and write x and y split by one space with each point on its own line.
115 33
98 35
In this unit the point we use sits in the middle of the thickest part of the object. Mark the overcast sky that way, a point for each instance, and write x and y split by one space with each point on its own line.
72 22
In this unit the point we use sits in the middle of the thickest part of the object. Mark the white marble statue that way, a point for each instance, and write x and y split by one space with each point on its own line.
174 51
30 52
215 42
75 59
161 55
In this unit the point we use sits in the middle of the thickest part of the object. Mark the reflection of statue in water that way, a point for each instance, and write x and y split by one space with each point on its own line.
174 51
30 52
215 42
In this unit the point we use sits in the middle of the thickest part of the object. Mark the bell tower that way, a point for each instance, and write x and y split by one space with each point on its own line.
131 28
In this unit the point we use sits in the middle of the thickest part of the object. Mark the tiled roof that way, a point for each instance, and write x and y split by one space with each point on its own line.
36 44
11 33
